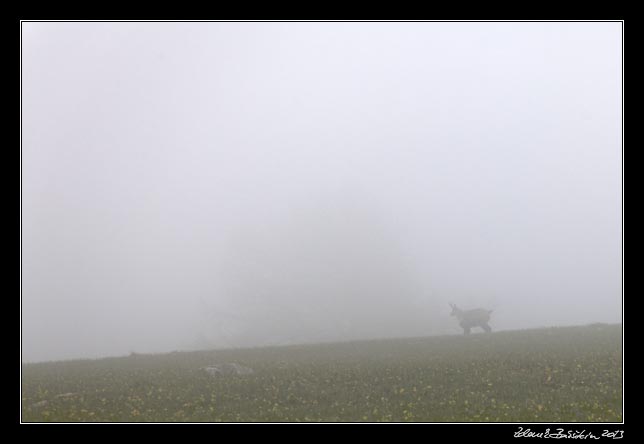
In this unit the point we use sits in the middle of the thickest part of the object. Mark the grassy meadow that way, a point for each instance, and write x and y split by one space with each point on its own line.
564 374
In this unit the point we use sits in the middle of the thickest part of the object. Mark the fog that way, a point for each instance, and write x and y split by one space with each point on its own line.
204 185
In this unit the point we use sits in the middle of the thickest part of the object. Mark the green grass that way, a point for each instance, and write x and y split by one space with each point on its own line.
565 374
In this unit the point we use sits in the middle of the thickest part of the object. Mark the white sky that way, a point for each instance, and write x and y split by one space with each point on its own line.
241 164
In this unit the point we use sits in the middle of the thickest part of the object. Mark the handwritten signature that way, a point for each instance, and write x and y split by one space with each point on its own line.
573 434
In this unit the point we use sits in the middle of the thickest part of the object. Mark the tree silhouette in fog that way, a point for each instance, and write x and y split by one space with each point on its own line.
328 272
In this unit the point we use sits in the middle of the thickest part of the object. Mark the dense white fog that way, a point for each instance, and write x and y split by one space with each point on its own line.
203 185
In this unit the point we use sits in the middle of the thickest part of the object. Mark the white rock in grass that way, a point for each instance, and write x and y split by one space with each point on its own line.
227 369
40 404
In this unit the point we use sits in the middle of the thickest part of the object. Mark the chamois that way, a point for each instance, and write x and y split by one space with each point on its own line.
467 319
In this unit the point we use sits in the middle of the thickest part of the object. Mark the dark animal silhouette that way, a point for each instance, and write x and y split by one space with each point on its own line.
467 319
